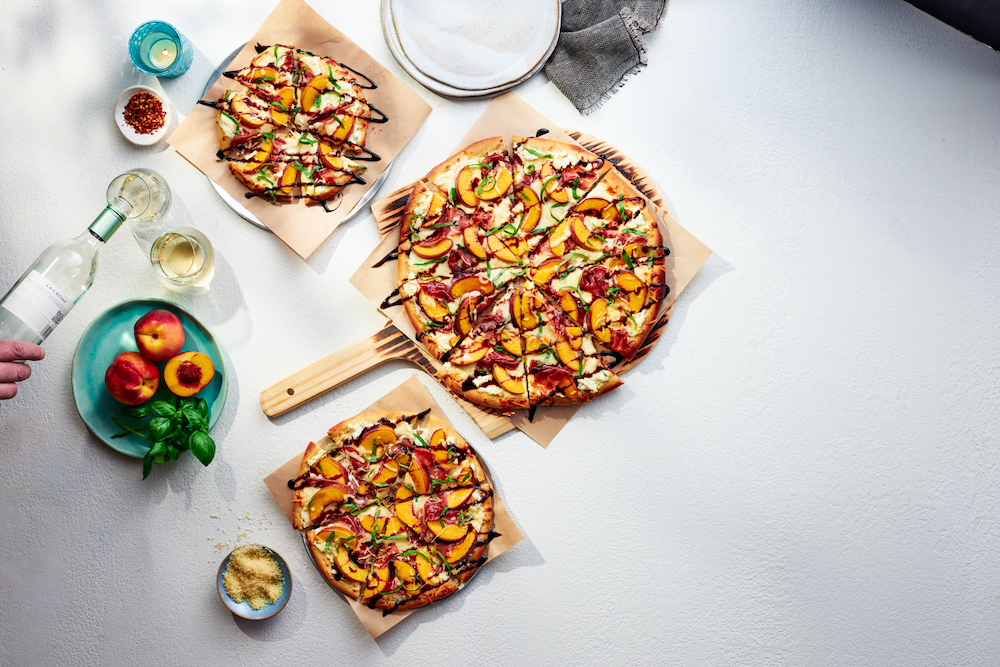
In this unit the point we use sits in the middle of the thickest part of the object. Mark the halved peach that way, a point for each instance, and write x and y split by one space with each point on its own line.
404 570
345 125
348 568
532 343
458 497
386 475
569 356
255 161
559 237
499 249
339 532
575 336
332 469
312 90
372 443
569 304
568 387
472 243
435 207
371 522
334 493
424 567
629 282
471 284
281 105
636 289
287 181
511 342
504 379
405 513
466 314
496 184
420 477
247 114
433 249
437 438
523 311
550 179
471 354
377 582
188 373
462 548
430 305
446 532
329 157
597 320
544 272
592 206
463 185
532 208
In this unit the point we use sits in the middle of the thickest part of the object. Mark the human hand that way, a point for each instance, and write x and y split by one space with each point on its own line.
12 351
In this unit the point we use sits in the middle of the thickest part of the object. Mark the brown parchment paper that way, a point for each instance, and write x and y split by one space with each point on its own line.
411 396
304 227
508 114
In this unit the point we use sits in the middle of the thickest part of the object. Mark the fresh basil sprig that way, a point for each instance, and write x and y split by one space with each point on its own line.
176 426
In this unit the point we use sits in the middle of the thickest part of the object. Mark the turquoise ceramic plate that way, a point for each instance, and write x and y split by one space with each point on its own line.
112 333
243 609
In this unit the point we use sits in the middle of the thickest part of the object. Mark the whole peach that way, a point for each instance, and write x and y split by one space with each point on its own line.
131 378
159 334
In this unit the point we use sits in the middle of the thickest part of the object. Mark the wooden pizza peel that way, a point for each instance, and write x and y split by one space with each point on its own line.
389 343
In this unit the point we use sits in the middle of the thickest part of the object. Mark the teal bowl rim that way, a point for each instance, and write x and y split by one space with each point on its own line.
223 391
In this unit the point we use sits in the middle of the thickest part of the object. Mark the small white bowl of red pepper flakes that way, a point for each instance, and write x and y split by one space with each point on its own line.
142 115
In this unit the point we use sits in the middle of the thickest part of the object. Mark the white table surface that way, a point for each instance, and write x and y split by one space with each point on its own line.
805 470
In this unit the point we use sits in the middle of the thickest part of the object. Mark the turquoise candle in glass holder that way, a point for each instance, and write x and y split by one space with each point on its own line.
157 48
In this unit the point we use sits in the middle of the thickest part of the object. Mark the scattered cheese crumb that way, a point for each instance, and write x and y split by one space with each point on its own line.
253 575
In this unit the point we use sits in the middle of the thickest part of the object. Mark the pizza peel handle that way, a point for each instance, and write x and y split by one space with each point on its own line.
384 345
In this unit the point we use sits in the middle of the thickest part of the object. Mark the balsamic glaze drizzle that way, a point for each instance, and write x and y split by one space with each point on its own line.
541 132
387 302
393 254
531 414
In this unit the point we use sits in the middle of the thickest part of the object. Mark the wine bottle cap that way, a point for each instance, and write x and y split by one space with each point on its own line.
108 222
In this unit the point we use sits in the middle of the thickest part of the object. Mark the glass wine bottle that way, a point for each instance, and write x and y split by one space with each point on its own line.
65 270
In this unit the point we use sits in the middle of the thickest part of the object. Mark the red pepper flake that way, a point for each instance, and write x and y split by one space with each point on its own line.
144 113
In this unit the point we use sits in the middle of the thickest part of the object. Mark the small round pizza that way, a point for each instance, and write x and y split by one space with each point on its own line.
396 507
298 130
525 269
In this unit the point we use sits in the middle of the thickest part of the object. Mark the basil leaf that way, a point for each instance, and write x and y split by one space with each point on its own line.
203 409
159 428
194 417
137 411
202 446
147 465
162 408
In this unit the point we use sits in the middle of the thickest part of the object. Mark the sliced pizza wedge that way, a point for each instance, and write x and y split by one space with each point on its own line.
488 364
563 363
551 177
443 310
616 297
477 179
273 69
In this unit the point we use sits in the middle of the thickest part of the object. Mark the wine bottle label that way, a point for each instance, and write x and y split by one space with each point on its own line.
40 304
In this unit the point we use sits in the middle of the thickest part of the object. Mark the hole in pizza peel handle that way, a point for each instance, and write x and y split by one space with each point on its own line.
291 391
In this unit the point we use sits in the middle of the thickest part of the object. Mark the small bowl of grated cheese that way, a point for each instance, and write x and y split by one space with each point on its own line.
254 582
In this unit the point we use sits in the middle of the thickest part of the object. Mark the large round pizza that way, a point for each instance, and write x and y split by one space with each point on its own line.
300 123
396 508
525 271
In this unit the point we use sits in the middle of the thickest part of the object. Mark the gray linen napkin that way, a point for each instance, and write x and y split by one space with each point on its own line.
600 46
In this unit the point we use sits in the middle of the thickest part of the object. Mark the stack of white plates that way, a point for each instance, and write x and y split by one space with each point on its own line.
471 48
